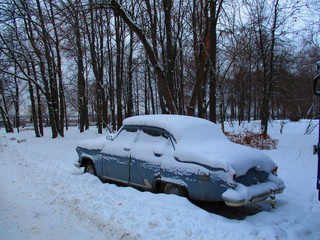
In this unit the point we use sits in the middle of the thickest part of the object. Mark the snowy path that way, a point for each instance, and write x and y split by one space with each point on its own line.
31 207
43 196
24 212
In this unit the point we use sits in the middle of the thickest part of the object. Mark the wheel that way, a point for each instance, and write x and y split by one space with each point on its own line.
89 168
170 188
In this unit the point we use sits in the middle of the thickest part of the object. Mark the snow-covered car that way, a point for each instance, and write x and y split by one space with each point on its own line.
181 155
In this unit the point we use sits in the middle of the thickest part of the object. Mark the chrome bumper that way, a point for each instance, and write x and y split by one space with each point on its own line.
264 195
256 199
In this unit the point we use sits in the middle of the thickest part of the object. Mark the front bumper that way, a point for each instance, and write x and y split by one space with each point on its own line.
243 195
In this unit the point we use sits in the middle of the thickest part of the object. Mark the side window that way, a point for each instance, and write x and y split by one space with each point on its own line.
150 135
151 143
151 132
127 134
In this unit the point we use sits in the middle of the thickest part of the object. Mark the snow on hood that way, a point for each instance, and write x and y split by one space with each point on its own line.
231 157
93 144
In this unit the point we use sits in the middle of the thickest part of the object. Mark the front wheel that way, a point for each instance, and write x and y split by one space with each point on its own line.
170 188
89 168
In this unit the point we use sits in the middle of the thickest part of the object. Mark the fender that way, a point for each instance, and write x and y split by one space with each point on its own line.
96 161
178 182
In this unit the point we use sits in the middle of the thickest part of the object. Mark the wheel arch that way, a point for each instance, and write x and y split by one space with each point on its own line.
161 183
85 160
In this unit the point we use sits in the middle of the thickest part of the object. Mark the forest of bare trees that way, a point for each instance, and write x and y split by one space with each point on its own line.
105 60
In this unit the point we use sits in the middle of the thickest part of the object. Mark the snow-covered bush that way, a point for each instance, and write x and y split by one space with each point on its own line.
251 139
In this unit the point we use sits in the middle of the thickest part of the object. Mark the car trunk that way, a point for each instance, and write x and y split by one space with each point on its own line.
247 163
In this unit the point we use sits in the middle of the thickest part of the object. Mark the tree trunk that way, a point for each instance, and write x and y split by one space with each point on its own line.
215 8
269 75
58 74
6 121
34 111
82 98
51 85
4 111
119 80
33 101
16 98
130 78
162 83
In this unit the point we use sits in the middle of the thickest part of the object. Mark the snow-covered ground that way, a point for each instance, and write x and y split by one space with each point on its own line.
43 196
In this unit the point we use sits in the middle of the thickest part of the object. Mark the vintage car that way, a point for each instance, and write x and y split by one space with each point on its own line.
181 155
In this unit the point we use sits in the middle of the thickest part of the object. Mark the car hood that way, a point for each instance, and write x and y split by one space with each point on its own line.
93 144
231 157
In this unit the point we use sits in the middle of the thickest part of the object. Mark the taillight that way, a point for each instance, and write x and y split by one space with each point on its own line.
275 171
232 184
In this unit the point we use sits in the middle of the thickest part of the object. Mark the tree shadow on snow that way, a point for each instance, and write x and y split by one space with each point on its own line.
239 213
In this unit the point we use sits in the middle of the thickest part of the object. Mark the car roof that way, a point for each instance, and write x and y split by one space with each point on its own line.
180 126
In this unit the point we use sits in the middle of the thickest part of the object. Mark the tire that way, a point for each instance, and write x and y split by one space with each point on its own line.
89 168
170 188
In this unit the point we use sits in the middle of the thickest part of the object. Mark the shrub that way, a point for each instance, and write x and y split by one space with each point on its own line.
251 139
294 118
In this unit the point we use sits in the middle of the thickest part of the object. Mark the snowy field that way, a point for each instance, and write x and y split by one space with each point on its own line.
43 196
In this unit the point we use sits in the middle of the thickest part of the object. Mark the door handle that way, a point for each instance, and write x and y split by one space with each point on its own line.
158 154
127 149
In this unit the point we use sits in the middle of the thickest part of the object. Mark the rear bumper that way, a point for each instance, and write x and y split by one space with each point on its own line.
243 195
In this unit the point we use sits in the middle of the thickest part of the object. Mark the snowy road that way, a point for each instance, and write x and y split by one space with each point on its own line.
43 196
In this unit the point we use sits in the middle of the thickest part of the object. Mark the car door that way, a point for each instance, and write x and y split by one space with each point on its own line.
116 155
147 154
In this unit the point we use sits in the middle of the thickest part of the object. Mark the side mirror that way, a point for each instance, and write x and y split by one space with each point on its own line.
110 137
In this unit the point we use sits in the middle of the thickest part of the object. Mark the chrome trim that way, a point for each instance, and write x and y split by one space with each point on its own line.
115 180
252 200
139 186
255 199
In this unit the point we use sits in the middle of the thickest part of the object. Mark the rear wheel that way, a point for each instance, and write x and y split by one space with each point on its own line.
170 188
89 168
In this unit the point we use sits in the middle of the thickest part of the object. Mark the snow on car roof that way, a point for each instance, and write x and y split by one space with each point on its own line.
180 126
